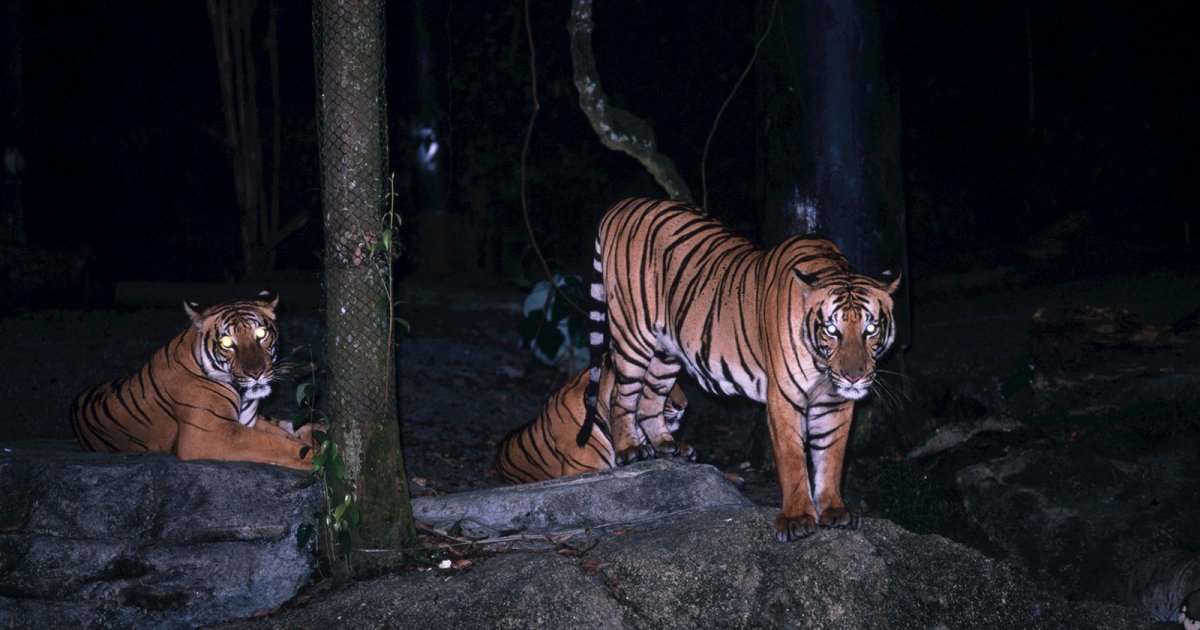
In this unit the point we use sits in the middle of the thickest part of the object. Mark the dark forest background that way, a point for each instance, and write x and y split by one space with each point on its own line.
1024 126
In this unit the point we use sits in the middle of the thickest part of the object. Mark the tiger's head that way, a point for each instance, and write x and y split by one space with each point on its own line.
237 344
848 326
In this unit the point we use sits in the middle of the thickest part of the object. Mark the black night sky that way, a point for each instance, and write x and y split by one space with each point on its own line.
121 128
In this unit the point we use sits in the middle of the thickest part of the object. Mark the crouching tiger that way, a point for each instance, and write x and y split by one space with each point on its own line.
546 448
198 396
792 327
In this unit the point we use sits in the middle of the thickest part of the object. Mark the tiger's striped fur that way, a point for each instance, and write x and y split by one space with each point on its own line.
198 396
546 447
792 327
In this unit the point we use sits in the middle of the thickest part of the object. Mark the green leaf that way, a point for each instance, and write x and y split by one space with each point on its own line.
305 392
560 309
576 328
549 341
344 542
339 510
529 327
320 436
536 300
387 240
318 461
354 515
338 468
304 534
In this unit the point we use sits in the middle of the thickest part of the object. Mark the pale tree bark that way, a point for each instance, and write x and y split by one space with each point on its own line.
618 129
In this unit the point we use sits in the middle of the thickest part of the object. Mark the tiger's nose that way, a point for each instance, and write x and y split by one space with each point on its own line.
853 375
255 372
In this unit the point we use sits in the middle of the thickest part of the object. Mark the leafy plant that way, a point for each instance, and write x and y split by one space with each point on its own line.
330 469
384 249
555 327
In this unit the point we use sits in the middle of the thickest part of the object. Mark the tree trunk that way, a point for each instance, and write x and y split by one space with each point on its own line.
829 145
829 142
12 204
349 42
429 144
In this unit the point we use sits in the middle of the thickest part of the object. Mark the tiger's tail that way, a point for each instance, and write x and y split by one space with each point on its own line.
597 337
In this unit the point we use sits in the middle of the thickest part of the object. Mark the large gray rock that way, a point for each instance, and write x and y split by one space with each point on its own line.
571 505
1080 522
716 568
144 540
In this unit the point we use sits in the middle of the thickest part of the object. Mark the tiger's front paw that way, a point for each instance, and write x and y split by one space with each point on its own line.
676 449
635 454
840 517
305 433
794 527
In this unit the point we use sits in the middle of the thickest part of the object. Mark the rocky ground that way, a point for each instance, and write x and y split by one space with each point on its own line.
1046 402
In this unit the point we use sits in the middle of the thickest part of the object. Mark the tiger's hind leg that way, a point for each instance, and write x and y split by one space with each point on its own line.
657 385
629 441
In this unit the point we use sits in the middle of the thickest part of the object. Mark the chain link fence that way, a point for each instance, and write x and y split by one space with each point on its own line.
349 53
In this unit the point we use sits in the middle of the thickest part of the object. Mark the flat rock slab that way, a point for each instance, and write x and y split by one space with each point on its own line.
145 540
715 568
581 503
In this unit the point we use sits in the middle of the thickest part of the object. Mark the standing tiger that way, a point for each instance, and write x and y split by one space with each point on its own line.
198 396
546 448
792 327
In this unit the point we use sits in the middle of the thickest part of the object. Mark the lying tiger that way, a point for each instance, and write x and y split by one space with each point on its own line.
792 327
546 448
198 396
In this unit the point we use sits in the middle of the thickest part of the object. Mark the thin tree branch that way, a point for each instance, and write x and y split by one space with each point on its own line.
525 158
618 129
716 121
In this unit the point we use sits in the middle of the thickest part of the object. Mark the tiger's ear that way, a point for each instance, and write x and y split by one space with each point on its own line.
192 310
262 299
892 287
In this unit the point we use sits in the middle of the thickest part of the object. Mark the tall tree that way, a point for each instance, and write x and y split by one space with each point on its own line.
349 43
427 120
829 142
12 211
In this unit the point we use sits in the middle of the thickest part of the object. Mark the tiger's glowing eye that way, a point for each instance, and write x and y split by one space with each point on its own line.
226 342
872 329
260 332
831 330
